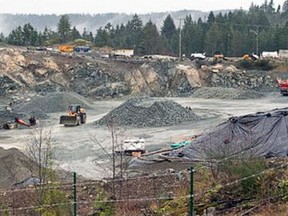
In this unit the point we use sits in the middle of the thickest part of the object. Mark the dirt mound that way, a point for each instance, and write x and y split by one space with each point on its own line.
14 166
148 112
226 93
54 102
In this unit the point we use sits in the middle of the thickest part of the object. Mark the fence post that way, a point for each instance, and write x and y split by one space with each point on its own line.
191 201
74 195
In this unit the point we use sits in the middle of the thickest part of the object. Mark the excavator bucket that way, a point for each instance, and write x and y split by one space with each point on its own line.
70 120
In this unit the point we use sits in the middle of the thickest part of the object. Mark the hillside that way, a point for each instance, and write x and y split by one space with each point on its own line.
91 22
95 77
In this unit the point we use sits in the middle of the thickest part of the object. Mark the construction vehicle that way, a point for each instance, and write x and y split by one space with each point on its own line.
250 57
66 48
13 125
76 116
219 56
131 146
199 56
283 86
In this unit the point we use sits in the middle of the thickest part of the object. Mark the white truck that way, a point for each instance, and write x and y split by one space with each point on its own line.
131 145
200 56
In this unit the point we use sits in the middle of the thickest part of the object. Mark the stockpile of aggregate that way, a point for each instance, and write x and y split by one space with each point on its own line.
147 112
14 166
226 93
54 102
10 117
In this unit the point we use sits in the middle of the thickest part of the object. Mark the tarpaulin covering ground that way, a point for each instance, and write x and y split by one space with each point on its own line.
261 134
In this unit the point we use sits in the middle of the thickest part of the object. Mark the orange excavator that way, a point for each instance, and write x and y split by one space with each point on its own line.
76 116
18 121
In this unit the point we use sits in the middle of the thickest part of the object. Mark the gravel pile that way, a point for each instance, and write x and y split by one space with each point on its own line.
226 93
10 116
147 112
14 166
54 102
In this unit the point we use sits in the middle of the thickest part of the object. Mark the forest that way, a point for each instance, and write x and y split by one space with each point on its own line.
261 28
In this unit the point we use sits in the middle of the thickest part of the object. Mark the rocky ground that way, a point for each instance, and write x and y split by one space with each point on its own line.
35 83
161 100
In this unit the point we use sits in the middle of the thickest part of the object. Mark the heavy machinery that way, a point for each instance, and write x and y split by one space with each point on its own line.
132 147
283 86
18 121
218 56
199 56
66 48
76 116
250 57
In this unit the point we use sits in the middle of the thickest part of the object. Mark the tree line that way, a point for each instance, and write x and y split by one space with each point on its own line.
261 28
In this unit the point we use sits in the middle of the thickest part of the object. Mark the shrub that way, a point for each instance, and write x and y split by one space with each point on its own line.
263 64
102 207
246 64
245 169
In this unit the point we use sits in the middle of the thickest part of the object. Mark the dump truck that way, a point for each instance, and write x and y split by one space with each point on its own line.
283 86
76 115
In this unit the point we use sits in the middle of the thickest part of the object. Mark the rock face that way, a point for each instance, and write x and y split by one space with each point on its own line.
95 77
226 93
256 80
147 112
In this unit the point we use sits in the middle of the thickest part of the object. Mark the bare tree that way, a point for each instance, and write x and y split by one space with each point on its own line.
40 148
115 161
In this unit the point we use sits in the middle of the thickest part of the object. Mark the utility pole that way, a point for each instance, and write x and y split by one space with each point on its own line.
180 39
257 40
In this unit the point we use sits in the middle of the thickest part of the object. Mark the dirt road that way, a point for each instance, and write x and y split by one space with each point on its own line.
76 149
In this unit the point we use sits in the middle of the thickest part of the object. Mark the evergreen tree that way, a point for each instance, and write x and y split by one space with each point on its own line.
134 33
169 34
64 28
192 34
211 18
75 34
49 37
151 40
168 29
101 38
214 40
30 36
16 37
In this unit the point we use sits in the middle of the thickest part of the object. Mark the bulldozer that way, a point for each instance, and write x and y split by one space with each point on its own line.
76 116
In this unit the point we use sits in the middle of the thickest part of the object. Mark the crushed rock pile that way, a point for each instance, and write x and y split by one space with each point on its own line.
10 116
148 112
226 93
14 166
54 102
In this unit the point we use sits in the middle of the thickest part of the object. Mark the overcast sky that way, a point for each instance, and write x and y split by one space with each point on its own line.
121 6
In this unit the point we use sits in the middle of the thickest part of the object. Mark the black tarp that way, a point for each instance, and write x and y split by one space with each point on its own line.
261 134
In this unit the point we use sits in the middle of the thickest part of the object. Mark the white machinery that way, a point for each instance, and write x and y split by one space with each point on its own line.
132 145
